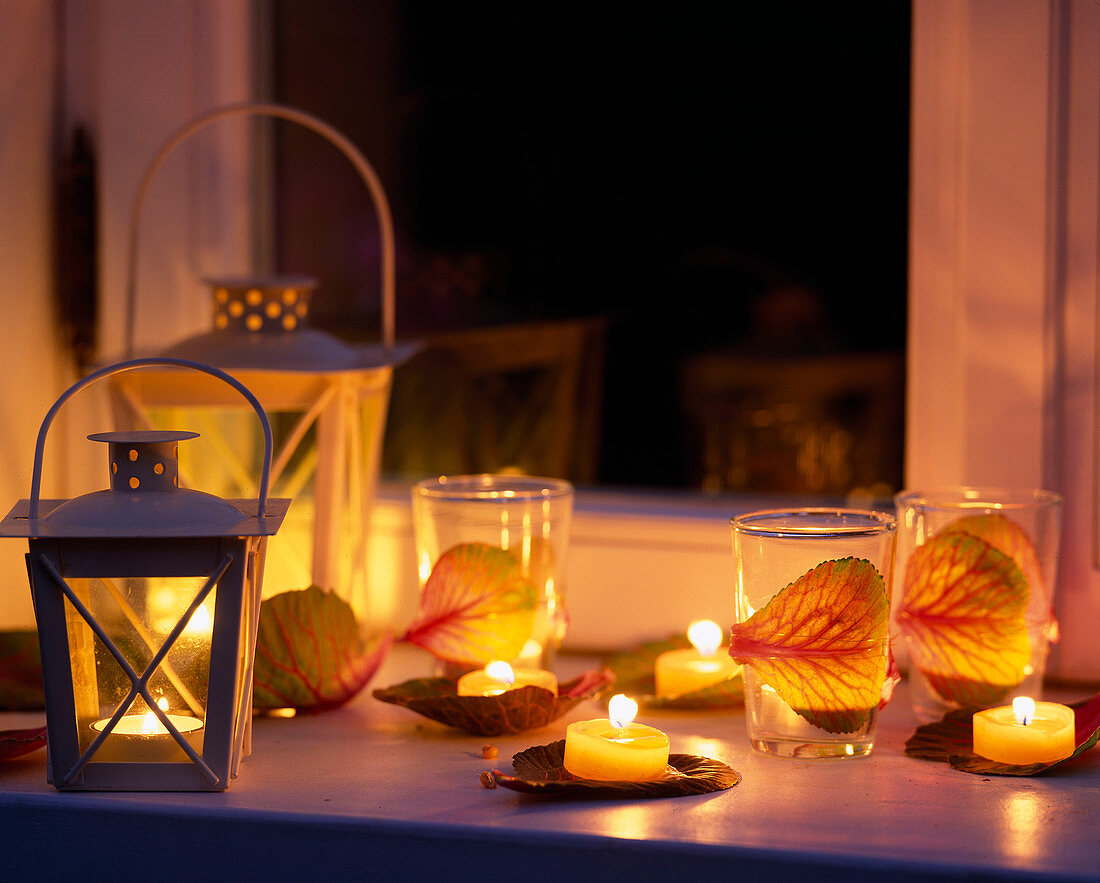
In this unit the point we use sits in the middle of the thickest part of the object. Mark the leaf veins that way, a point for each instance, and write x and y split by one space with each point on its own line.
820 643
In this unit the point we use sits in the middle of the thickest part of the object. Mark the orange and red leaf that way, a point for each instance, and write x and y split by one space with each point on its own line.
477 605
821 643
962 612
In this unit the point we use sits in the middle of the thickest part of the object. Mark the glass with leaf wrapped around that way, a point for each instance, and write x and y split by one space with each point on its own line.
974 594
498 544
811 628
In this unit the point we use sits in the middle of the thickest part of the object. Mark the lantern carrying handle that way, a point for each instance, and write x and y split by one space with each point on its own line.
334 136
40 444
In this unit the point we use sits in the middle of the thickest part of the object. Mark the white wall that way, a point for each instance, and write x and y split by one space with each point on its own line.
132 72
1003 268
136 72
32 363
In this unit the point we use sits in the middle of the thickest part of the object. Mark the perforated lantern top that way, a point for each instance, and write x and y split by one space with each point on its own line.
144 498
263 323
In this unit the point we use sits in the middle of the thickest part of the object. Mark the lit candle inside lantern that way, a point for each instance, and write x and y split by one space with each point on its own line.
697 667
499 677
1027 732
616 748
142 738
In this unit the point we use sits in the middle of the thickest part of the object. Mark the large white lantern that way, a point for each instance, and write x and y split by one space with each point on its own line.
326 399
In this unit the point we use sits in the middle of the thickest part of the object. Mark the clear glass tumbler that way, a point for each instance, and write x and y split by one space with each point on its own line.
974 594
804 647
526 515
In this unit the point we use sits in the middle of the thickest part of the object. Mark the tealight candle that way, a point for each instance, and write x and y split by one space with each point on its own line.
499 677
616 748
697 667
1027 732
142 738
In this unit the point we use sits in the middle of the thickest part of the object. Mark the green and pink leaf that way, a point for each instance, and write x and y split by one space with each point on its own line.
477 605
309 654
20 671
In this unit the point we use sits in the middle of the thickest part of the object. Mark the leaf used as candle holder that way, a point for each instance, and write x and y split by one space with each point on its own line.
952 735
476 606
634 676
951 740
541 770
821 643
963 611
16 743
524 708
309 655
20 671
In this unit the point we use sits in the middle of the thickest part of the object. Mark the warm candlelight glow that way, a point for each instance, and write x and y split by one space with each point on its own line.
150 723
501 671
200 622
703 665
531 652
705 636
621 710
1026 732
499 677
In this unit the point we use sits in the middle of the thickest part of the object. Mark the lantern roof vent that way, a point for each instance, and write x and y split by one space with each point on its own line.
262 323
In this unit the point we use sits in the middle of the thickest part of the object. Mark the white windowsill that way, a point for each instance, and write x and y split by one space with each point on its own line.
374 791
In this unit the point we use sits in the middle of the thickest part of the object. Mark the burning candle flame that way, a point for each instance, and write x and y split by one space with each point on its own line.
500 671
151 724
200 623
1024 709
621 710
705 636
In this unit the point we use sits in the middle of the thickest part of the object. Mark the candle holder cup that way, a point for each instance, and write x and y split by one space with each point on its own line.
973 594
811 617
525 517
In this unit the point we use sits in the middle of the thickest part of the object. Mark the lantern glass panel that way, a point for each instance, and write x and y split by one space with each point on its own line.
138 615
327 454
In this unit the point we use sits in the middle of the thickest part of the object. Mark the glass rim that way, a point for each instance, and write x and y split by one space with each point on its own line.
977 496
490 487
817 522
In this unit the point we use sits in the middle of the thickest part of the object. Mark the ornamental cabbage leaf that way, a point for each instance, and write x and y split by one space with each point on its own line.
477 605
821 643
963 614
309 654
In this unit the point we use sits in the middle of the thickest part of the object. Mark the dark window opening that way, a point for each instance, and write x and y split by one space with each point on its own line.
698 198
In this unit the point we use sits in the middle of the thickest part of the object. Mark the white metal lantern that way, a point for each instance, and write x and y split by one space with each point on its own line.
326 399
146 597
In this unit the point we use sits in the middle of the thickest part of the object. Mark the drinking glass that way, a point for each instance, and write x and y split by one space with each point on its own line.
951 645
773 550
526 515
